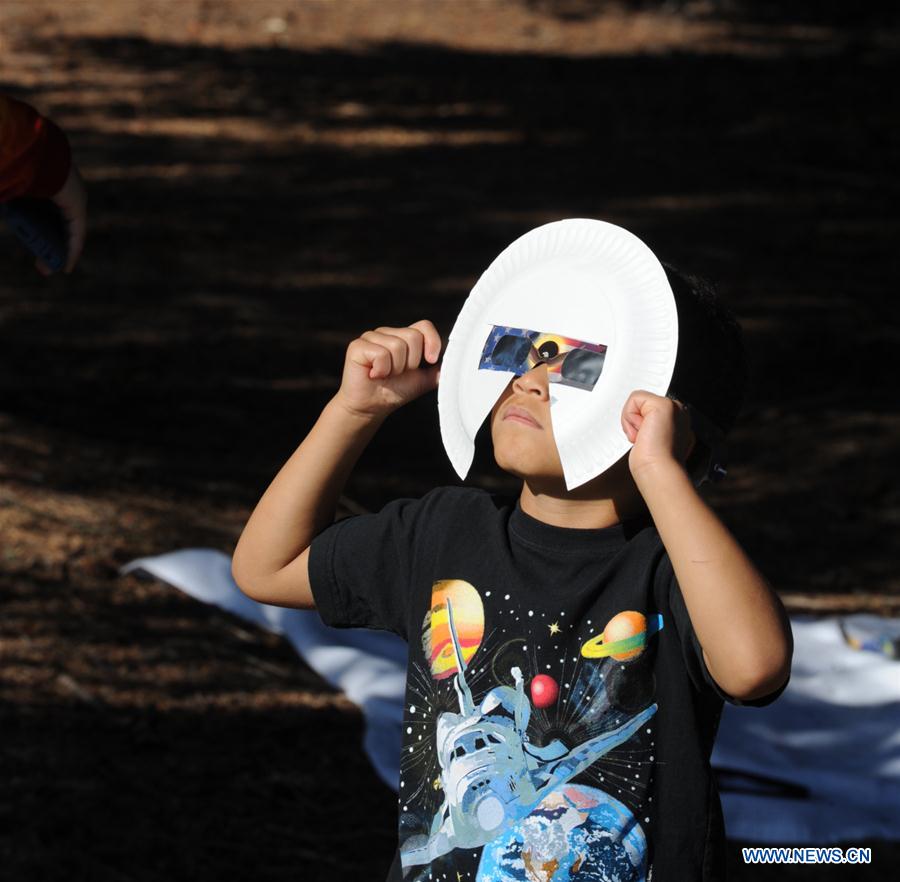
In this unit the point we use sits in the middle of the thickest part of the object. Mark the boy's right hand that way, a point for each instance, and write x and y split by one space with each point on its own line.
382 369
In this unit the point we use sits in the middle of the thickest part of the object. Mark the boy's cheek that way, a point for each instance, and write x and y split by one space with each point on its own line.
527 454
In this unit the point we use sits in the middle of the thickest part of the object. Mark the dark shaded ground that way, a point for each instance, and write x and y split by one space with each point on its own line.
258 199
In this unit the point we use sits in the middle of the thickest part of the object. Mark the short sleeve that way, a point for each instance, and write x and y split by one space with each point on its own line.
691 649
361 568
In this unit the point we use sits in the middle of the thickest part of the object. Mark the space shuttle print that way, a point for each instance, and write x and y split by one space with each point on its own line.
498 774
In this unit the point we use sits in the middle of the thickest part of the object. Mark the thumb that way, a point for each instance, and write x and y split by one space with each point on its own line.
421 381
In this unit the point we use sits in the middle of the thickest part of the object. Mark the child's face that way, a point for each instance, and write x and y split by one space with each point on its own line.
526 450
529 452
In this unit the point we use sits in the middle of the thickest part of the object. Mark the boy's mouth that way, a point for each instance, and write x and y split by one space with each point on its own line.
519 414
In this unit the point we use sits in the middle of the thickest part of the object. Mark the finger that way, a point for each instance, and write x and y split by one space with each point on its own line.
397 349
431 337
375 358
639 400
395 345
42 268
632 405
632 426
632 417
414 343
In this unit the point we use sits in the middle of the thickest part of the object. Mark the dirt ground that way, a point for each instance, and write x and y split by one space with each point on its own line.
269 179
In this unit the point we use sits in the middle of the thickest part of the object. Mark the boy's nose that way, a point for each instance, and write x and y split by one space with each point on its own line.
534 380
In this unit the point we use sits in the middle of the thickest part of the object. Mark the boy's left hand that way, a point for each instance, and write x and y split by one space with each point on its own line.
659 428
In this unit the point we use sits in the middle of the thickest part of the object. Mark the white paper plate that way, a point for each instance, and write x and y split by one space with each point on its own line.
581 278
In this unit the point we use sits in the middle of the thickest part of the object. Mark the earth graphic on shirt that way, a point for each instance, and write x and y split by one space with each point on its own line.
576 832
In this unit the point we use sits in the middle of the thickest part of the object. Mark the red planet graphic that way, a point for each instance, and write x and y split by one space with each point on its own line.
544 691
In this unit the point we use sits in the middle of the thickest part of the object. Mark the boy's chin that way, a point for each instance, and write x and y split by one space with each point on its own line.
542 477
534 473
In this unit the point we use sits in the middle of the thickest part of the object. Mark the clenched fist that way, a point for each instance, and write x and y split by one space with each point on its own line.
659 428
384 368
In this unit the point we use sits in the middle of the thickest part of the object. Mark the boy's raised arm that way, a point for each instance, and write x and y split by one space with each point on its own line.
381 373
739 620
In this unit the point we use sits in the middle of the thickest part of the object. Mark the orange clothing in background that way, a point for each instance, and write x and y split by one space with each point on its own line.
34 153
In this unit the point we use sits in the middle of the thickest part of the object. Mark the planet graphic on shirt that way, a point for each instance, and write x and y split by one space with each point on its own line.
624 637
544 691
575 832
468 619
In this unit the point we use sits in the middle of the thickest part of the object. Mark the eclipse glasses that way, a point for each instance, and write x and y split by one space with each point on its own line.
569 361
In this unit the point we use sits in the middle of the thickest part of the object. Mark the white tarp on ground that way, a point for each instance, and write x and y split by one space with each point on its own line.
820 765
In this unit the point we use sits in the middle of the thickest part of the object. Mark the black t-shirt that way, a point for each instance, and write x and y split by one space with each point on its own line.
559 717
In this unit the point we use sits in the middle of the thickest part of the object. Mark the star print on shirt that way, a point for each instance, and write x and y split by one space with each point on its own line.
554 628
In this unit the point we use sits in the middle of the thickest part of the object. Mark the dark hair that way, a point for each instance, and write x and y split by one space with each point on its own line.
711 370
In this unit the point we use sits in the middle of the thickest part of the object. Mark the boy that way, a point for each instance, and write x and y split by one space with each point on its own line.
570 650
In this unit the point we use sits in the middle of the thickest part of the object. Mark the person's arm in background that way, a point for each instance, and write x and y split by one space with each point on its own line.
381 373
739 620
36 161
